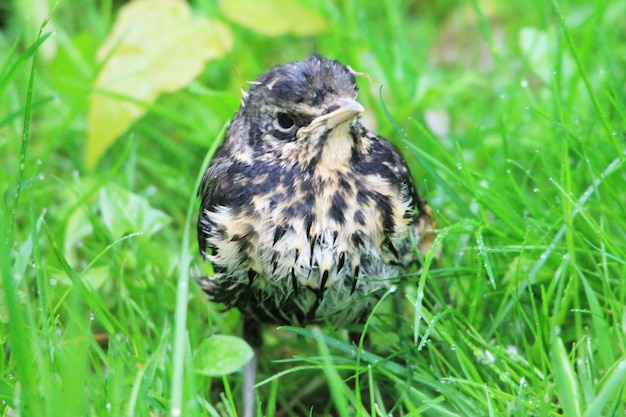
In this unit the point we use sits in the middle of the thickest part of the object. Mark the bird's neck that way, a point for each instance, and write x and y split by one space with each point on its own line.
337 150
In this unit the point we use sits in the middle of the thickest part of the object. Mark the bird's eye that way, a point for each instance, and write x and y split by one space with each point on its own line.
285 121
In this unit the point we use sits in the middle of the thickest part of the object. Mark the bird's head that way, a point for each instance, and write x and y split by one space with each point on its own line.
301 109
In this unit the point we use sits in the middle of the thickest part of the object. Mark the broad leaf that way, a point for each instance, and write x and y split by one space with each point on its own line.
221 355
275 17
155 46
124 212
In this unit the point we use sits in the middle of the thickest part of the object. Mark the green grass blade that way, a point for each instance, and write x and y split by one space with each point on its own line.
182 291
566 383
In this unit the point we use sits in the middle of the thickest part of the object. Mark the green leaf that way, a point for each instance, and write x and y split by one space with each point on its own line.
566 382
155 46
610 387
221 355
125 212
275 17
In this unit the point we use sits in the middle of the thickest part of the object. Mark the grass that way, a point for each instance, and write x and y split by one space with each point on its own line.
512 118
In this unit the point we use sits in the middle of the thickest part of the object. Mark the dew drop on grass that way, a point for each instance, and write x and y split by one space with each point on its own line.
452 347
459 166
52 282
524 83
535 190
151 190
175 412
108 406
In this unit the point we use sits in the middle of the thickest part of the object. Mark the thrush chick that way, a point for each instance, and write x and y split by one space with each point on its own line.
305 214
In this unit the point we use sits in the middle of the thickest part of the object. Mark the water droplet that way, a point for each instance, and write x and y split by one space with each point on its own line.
524 83
52 282
459 166
108 406
151 190
176 412
535 190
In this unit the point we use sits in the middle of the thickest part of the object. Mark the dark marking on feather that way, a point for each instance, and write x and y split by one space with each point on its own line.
357 269
251 276
341 261
387 242
294 281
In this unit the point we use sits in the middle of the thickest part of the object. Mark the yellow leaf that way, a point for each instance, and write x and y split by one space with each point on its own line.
275 17
155 46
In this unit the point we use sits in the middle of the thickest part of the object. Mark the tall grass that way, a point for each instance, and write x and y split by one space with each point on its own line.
512 118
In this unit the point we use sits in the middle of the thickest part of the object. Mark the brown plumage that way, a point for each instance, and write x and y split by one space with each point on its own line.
305 214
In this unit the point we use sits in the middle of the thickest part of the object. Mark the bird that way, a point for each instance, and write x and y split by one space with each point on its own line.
306 216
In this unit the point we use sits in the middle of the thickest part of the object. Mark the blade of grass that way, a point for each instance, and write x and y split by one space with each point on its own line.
566 383
583 74
335 383
33 49
182 290
611 384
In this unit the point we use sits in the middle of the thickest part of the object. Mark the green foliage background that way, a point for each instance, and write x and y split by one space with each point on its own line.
513 119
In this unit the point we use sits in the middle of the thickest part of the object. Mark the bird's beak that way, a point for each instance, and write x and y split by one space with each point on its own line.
346 109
